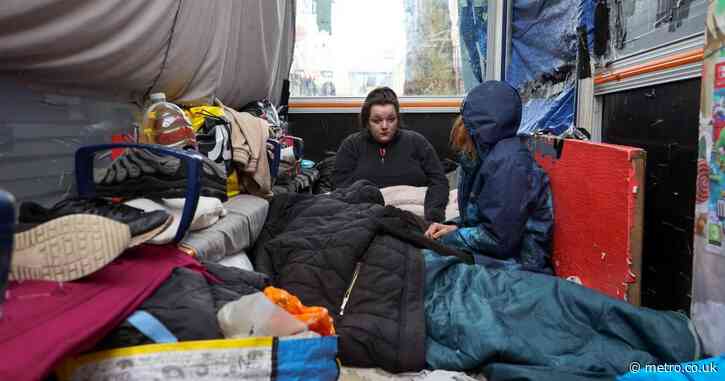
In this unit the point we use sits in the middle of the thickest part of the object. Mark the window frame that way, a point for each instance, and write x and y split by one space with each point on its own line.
499 37
676 60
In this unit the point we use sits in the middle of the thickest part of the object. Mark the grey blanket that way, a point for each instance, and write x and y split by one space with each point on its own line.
236 232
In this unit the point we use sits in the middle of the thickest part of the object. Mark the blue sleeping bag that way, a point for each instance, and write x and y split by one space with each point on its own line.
526 326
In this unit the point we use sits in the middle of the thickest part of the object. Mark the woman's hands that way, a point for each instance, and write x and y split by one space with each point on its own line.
436 230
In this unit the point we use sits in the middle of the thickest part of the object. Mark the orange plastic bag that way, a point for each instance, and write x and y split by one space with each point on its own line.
317 319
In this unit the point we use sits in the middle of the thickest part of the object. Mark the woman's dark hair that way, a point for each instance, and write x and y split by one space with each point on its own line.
379 96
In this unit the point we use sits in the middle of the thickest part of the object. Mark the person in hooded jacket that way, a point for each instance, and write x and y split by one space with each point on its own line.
504 198
387 155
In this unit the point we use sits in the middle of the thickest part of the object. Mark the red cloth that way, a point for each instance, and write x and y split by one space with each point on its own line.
44 322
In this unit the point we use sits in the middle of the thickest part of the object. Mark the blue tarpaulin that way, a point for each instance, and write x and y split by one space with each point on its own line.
473 23
543 58
555 113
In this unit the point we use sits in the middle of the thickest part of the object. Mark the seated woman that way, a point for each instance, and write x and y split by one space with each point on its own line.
504 199
387 155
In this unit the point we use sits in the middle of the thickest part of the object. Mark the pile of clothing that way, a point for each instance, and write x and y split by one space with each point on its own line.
96 292
122 240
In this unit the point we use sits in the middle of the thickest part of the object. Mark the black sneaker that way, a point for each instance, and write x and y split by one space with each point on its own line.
140 173
143 225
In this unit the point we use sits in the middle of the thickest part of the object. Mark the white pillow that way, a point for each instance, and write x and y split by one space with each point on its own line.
412 199
208 211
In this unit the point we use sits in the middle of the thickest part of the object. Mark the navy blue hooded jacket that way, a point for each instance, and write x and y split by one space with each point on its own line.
504 198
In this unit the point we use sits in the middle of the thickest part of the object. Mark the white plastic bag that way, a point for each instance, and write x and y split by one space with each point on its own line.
256 315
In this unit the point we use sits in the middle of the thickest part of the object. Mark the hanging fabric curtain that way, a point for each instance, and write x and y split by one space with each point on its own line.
237 51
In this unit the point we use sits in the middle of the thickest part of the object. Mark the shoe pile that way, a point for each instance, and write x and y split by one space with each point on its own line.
75 237
142 225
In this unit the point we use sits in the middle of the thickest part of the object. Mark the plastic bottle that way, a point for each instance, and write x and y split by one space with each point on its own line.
166 124
714 235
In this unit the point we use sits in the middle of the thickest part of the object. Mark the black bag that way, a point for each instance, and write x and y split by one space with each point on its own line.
214 139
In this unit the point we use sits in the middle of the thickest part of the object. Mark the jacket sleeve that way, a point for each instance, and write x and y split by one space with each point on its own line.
503 209
345 162
436 197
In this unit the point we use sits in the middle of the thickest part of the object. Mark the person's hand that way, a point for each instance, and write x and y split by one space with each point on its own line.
436 230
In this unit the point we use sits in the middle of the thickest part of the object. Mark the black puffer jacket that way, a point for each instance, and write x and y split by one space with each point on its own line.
312 246
187 304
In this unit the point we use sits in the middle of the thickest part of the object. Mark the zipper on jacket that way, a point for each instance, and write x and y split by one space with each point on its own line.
381 152
349 288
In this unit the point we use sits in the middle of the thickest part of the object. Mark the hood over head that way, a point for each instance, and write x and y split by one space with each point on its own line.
491 112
